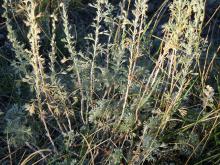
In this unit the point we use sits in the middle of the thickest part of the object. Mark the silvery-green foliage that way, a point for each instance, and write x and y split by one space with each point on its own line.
69 139
101 113
67 162
128 123
187 142
17 130
116 156
21 63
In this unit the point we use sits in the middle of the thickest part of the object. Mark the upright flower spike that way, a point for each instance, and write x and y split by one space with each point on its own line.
70 45
180 50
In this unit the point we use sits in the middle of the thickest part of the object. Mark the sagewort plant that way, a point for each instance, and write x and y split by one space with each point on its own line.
110 101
